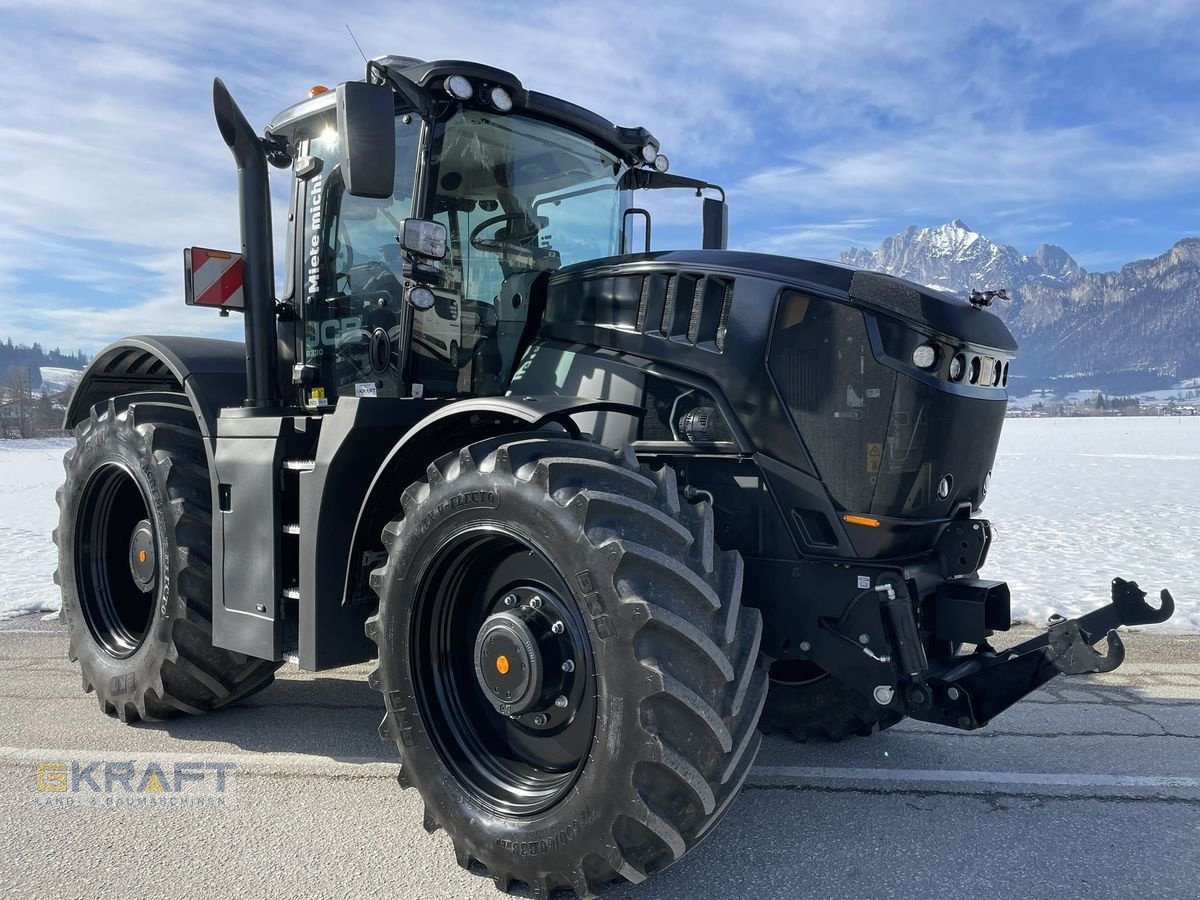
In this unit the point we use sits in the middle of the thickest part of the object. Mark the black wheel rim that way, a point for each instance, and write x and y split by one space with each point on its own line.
117 560
523 762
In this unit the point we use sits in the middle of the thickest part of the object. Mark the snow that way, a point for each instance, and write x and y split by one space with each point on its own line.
30 472
1074 501
55 379
1079 501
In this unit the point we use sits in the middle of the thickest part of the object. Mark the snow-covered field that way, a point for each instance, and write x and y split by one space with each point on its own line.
1078 501
1075 502
30 472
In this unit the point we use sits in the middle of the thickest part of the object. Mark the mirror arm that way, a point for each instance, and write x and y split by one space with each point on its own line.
651 180
418 97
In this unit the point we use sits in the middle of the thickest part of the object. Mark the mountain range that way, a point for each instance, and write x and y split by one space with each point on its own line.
1132 329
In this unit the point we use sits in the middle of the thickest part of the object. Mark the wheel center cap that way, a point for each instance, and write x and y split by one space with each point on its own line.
143 564
508 662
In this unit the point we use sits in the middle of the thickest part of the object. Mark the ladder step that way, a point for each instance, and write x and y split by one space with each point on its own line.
291 593
291 529
300 465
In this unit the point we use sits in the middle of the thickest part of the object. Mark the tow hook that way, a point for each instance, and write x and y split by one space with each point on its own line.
968 691
1073 655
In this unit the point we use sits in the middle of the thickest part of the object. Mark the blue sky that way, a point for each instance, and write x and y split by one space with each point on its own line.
831 124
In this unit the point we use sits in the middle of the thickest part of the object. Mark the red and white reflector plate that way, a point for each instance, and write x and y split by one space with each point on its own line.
213 278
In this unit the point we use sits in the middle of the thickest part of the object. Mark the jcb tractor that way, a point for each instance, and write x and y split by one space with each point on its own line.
599 513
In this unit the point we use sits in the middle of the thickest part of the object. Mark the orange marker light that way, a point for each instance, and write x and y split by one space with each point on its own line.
317 89
141 556
868 521
502 665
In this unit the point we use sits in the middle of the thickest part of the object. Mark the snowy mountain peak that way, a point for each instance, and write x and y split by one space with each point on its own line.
952 256
1143 319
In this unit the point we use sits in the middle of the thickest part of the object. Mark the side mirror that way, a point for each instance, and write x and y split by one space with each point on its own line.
366 121
424 238
716 224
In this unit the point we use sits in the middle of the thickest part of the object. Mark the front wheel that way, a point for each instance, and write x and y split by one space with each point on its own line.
568 672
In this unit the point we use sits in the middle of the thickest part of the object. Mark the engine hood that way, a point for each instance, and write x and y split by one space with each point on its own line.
896 297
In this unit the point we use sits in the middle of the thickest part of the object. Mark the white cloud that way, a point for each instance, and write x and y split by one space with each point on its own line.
830 123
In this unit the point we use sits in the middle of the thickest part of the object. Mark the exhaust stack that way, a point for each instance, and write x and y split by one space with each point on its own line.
254 208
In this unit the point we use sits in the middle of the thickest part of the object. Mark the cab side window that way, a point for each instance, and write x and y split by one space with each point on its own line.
351 283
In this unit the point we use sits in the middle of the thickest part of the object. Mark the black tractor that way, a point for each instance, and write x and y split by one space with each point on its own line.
599 512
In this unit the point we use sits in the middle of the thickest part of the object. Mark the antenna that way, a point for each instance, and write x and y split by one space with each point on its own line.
356 44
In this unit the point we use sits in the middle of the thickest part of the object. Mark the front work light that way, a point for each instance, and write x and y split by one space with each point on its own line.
458 87
662 163
500 99
424 238
649 154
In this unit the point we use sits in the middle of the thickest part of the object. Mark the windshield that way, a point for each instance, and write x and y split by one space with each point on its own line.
519 198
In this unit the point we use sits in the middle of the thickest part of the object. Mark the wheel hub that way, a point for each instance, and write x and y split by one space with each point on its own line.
521 656
142 562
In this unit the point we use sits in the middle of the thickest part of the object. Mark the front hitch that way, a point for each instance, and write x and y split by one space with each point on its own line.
968 691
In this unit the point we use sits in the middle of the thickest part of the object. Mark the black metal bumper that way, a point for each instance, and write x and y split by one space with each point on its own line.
968 691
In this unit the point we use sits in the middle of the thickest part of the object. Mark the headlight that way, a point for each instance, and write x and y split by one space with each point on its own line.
661 163
500 99
649 153
958 365
925 356
459 87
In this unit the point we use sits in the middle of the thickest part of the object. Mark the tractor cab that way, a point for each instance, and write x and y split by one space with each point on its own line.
499 187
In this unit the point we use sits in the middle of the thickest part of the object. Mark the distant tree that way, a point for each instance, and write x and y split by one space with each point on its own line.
19 404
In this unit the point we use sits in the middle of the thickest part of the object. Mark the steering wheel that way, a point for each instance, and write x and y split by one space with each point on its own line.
497 246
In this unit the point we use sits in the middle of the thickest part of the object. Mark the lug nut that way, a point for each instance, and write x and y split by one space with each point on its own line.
560 701
568 666
558 627
535 602
539 719
884 694
510 600
864 638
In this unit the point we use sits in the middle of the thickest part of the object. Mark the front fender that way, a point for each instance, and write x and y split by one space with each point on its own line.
324 642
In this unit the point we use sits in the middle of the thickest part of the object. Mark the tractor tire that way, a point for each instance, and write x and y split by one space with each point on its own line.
134 565
817 705
567 669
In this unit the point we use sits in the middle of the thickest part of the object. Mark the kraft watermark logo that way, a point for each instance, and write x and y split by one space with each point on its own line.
124 783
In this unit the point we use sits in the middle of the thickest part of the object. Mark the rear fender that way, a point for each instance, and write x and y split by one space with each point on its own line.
210 373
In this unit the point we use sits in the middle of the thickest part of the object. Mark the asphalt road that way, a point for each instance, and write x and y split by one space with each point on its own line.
1088 789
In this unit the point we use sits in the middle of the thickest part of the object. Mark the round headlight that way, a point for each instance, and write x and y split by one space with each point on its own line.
459 87
975 365
925 356
422 298
661 163
997 371
649 153
957 366
500 99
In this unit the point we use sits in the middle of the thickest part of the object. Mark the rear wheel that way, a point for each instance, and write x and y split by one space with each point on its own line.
568 672
134 565
807 702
